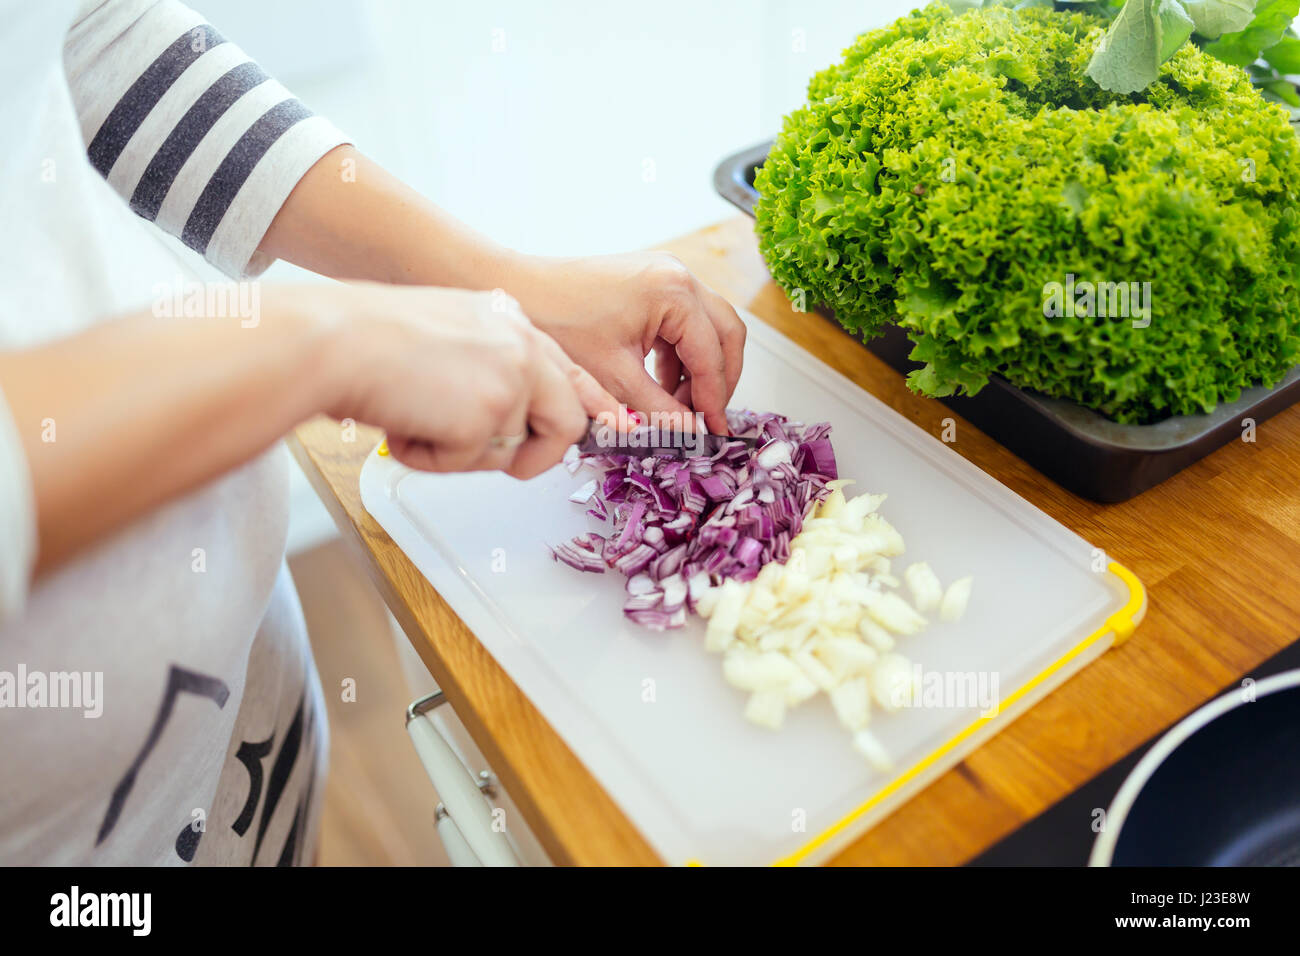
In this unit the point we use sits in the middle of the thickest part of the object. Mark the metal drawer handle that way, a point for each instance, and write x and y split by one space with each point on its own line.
464 818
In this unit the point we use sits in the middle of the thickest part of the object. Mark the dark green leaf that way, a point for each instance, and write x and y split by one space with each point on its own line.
1143 35
1284 90
1284 56
1272 18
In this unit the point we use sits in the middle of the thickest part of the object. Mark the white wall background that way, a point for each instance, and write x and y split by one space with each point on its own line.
540 123
561 127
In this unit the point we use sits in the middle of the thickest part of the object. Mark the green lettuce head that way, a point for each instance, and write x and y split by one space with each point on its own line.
962 176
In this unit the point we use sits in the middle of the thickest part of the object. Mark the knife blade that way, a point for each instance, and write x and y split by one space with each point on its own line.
646 441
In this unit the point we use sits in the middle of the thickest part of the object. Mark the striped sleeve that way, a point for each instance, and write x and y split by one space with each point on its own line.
186 128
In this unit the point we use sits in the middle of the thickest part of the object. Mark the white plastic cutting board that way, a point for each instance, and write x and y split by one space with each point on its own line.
649 713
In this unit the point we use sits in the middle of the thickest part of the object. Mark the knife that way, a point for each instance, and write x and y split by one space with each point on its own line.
656 441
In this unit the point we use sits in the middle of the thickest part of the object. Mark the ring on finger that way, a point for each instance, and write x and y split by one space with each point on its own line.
508 442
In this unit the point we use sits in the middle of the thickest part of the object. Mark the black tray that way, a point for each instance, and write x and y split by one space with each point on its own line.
1074 446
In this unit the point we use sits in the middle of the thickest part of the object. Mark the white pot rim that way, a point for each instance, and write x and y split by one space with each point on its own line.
1103 849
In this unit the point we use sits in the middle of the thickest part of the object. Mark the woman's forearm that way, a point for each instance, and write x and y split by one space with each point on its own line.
350 219
136 411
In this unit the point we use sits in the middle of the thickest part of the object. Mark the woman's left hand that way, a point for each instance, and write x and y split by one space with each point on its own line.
610 312
607 313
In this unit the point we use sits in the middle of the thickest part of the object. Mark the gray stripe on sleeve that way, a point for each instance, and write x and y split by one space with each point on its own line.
230 175
144 94
181 142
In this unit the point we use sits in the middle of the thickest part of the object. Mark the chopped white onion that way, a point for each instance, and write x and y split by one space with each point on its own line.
766 707
924 585
852 703
891 682
825 621
955 600
865 743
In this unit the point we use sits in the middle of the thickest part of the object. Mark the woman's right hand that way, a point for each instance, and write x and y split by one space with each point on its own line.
149 407
460 381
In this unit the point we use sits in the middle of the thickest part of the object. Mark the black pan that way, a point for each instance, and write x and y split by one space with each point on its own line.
1222 788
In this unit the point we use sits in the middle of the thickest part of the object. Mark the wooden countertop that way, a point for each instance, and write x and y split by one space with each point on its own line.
1217 546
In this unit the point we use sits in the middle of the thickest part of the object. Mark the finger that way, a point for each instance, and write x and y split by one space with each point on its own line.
425 456
683 393
668 366
500 456
510 431
556 418
487 444
503 446
641 392
696 341
596 400
537 455
412 454
731 335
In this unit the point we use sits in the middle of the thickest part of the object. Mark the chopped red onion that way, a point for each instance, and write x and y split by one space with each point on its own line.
668 563
643 602
674 590
657 620
578 557
585 493
680 526
641 584
822 457
717 487
635 560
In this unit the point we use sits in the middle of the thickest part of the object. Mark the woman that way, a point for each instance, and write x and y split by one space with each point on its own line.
158 703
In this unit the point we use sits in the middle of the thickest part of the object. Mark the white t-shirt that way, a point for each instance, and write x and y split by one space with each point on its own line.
183 631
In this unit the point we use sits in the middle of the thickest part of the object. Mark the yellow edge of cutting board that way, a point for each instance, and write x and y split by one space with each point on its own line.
1121 625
